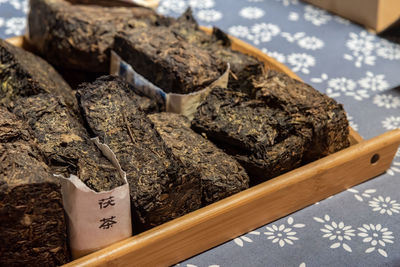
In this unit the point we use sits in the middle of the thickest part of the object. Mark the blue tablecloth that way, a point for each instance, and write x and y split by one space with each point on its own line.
358 227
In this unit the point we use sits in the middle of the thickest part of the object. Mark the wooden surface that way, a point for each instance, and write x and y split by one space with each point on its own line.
354 137
217 223
374 14
18 41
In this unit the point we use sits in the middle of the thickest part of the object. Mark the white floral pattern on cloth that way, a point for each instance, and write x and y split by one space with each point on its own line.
359 90
395 168
263 32
15 26
377 237
387 101
374 82
342 20
361 46
311 43
293 16
201 4
251 12
339 233
172 6
239 31
388 50
301 62
365 48
380 204
258 33
391 123
203 9
348 87
303 41
276 55
209 15
289 2
244 238
283 234
17 4
352 123
293 37
385 205
317 203
361 196
316 15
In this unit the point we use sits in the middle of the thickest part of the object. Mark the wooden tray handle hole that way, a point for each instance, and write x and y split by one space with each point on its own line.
375 159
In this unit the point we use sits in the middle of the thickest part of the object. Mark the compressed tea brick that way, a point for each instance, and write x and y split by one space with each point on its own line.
79 36
327 118
65 142
262 138
161 186
221 175
32 223
167 60
282 124
12 129
243 67
24 74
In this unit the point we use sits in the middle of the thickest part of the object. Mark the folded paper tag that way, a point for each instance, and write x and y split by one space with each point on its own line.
96 219
142 86
185 104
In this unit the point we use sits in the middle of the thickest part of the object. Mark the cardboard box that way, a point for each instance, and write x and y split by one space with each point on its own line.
373 14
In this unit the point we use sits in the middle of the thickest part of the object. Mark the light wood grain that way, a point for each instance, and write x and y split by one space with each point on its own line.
354 137
245 211
17 41
20 41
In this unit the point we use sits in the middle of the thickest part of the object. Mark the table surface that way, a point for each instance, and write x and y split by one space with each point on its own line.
358 227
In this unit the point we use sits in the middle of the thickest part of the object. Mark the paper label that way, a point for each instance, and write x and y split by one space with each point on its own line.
96 219
141 85
185 104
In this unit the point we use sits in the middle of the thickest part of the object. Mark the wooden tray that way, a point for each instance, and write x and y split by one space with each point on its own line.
210 226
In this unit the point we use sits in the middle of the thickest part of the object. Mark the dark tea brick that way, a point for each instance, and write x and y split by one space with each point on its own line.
162 187
75 35
220 174
23 74
65 143
32 222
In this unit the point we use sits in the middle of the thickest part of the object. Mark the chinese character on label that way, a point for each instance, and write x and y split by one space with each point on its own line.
105 202
107 222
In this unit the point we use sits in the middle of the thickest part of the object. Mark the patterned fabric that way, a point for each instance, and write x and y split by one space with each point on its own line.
358 227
